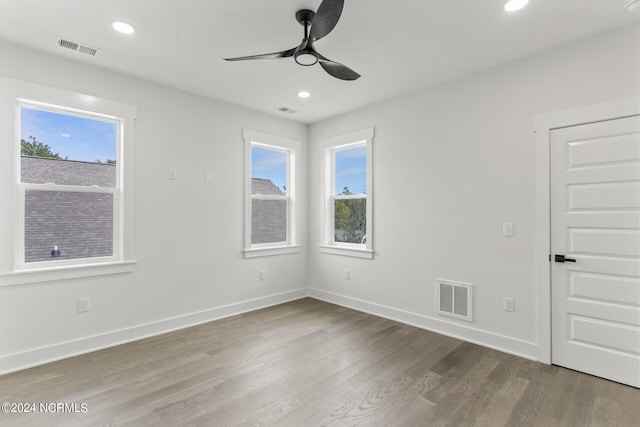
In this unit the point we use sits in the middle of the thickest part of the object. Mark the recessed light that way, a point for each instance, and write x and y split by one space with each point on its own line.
304 94
513 5
123 27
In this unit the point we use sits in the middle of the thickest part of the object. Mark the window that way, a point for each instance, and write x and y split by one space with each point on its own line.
69 185
271 210
269 195
70 163
348 194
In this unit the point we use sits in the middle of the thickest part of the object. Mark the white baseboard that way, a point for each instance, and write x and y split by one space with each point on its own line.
40 356
517 347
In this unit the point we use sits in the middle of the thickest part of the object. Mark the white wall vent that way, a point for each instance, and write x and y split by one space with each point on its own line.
454 299
78 47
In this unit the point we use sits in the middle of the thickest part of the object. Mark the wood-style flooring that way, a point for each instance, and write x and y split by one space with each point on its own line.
310 363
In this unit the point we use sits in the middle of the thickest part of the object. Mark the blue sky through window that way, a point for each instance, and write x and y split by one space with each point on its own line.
77 138
269 164
351 170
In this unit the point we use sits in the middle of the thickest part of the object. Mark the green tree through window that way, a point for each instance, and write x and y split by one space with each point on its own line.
350 218
35 148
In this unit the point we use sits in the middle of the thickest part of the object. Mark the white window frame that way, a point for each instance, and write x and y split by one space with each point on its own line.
291 148
114 191
24 94
330 146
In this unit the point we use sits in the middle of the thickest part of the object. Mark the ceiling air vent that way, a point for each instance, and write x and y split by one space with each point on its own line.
88 50
70 44
286 110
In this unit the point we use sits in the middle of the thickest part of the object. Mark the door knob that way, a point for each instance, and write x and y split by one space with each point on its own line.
561 258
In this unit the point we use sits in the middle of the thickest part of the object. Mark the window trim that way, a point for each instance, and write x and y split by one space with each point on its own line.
292 149
363 137
17 93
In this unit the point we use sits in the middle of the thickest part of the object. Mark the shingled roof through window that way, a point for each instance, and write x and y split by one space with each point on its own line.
265 187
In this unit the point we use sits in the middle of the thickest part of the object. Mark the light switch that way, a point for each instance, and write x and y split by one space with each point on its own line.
172 173
208 176
507 229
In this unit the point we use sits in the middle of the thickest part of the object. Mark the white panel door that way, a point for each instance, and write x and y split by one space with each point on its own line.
595 225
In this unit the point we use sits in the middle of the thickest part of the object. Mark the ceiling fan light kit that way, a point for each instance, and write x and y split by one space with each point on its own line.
316 26
306 59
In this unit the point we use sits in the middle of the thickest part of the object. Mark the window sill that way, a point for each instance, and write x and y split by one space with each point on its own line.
344 251
52 274
269 251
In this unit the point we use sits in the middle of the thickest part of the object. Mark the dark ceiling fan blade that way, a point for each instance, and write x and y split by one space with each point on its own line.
338 70
326 18
276 55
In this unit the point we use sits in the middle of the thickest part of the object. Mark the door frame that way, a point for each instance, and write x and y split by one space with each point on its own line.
543 125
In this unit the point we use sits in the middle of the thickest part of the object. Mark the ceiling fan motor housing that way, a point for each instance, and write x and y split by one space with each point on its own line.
305 16
306 56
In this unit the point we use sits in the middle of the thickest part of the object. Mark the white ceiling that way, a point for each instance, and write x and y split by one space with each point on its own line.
398 46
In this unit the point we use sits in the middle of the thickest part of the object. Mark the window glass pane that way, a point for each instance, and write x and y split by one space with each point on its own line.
351 171
350 220
79 224
268 221
268 178
66 150
268 171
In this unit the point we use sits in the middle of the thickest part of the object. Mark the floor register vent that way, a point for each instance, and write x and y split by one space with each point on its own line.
454 299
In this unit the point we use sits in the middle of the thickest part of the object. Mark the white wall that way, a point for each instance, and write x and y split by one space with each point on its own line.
451 165
188 234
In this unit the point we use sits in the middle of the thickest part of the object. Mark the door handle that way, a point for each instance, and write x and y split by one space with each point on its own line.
561 258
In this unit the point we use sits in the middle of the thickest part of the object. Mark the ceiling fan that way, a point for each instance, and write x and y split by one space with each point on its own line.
316 26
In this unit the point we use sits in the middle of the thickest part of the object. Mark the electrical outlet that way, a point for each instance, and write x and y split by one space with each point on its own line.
262 275
509 304
347 275
84 304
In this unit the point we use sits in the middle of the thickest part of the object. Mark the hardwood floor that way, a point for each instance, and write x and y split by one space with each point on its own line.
310 363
